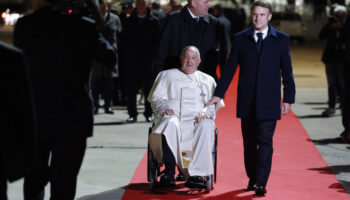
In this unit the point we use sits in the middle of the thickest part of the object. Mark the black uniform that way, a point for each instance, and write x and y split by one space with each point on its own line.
139 41
59 50
17 127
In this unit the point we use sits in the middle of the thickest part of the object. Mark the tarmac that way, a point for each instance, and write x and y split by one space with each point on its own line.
116 148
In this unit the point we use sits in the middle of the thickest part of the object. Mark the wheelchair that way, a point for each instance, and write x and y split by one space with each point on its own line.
154 171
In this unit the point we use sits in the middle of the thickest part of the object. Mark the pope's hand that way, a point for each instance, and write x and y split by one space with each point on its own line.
214 100
199 118
169 112
285 108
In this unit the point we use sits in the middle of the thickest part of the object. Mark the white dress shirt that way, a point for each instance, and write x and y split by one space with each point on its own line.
264 33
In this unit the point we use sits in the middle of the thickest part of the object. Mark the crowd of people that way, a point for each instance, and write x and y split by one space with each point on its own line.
68 58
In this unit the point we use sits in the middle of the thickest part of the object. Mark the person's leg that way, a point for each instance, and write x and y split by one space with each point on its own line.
95 90
107 94
332 89
36 180
170 147
3 182
203 143
132 89
266 130
147 85
67 156
346 105
249 133
340 86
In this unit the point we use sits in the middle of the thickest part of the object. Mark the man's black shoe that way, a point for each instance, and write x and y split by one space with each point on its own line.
109 110
251 186
167 181
260 190
195 182
149 119
180 177
131 119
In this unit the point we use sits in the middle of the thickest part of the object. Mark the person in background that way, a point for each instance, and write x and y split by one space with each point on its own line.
103 76
333 57
139 37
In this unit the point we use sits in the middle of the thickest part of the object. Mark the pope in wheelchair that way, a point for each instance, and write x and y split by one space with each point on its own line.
184 128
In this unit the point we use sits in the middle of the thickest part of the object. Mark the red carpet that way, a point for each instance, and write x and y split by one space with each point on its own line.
298 170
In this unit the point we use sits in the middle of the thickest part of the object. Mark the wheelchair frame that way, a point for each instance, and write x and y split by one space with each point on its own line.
153 169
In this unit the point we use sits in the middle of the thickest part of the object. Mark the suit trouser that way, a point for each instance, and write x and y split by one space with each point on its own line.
257 141
346 103
133 84
104 86
335 80
58 159
3 182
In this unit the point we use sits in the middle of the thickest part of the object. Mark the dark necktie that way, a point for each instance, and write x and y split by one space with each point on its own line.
259 42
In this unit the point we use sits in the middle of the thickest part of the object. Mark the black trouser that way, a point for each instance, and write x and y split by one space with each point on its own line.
258 150
335 80
67 149
3 182
346 103
103 86
168 159
133 83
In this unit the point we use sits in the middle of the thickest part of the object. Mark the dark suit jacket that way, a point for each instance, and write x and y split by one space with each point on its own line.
59 50
333 50
17 124
139 38
179 30
260 77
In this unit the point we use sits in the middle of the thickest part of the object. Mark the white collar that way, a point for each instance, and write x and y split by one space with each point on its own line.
192 15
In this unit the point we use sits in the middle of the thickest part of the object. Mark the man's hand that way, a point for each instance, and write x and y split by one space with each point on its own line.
214 100
169 112
199 118
285 108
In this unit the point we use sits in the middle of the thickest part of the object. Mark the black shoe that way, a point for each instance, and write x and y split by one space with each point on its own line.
167 181
180 177
109 110
260 190
328 112
251 186
95 110
149 119
131 120
195 182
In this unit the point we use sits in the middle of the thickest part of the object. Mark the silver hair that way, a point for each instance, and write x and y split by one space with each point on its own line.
193 48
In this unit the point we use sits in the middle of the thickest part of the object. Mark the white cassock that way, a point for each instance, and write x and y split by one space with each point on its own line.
191 143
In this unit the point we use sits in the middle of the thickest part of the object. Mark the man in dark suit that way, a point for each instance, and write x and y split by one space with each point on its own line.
139 37
59 48
263 55
17 127
191 26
